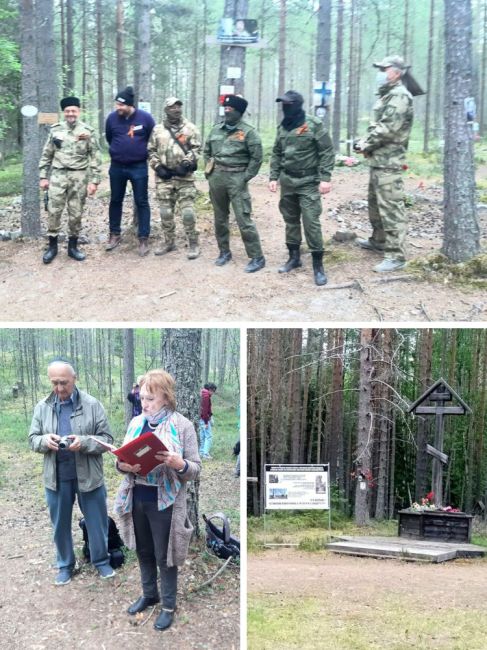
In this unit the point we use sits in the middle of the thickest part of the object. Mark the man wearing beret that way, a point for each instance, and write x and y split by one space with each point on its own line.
173 154
302 161
70 167
385 148
233 156
127 131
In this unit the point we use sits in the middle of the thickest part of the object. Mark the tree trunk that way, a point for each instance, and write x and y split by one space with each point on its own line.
182 359
47 69
461 229
100 65
233 55
282 53
362 464
144 91
351 78
337 105
429 76
483 73
425 350
30 217
323 47
120 46
70 80
128 371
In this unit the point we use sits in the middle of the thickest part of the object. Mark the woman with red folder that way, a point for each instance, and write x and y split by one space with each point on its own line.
152 508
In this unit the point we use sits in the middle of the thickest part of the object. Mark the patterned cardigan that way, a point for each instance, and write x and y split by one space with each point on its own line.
181 527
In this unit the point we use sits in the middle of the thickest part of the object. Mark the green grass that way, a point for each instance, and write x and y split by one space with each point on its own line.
11 179
389 620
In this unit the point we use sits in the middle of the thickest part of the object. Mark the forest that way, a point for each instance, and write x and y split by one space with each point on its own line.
108 361
343 396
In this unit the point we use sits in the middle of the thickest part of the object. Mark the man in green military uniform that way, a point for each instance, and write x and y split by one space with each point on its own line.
385 148
233 156
302 161
173 149
70 167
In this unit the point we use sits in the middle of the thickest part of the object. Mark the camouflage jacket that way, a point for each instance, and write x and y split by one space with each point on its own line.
163 150
387 140
241 147
77 149
308 147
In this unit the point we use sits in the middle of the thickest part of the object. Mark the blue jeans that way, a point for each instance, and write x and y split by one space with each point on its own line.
94 508
205 437
138 175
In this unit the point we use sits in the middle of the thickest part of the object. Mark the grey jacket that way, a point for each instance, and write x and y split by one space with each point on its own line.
88 419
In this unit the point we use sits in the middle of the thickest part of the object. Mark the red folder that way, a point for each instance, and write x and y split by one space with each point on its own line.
140 451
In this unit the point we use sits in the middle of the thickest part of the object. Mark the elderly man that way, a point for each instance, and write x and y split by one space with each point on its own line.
302 161
233 156
127 131
62 428
173 154
70 167
385 148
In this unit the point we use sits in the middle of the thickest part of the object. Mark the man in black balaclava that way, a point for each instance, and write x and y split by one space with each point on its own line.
302 162
173 149
233 155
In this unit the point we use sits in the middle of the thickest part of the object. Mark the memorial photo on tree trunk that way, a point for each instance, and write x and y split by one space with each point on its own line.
116 528
366 487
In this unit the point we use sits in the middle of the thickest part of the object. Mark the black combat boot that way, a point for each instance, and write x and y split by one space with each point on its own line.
320 277
223 258
51 252
73 250
255 264
294 261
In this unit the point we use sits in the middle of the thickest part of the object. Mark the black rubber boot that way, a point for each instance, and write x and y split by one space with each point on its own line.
319 271
294 261
51 252
73 250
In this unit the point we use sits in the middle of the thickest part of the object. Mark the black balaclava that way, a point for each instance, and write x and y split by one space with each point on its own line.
231 119
174 114
294 115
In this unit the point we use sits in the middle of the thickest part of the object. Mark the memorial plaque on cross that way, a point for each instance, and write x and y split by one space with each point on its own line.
439 395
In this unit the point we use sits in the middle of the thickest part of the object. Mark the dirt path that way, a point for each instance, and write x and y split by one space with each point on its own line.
90 613
461 583
120 286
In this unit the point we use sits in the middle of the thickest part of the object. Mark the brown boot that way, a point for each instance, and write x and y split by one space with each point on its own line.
168 247
113 242
194 249
143 246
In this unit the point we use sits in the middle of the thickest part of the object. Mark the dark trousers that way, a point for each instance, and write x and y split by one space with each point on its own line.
152 528
138 175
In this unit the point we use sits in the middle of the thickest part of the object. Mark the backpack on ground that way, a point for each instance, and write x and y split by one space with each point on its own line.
219 540
115 543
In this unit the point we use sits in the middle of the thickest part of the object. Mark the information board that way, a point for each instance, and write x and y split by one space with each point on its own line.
297 487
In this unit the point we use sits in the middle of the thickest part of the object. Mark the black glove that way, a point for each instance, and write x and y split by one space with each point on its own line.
164 172
57 142
183 169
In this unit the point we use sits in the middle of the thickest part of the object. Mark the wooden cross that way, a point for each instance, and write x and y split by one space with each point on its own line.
439 394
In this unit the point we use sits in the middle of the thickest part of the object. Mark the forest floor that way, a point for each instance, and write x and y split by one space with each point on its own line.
120 286
90 612
298 599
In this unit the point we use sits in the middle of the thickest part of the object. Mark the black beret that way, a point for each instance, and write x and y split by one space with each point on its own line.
235 101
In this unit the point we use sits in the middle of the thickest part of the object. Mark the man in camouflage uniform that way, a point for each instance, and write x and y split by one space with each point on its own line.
70 167
233 156
173 148
302 161
385 147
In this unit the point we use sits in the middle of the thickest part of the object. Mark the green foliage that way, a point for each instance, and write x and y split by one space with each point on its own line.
11 178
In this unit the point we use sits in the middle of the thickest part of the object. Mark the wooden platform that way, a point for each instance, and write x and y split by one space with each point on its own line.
405 549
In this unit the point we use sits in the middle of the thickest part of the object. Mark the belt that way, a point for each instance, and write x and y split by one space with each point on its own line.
72 169
225 168
301 173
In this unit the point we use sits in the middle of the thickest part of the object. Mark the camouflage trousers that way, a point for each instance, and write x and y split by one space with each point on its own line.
182 193
229 188
387 212
301 202
66 189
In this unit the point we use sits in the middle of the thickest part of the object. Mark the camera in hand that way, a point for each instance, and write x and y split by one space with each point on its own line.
64 443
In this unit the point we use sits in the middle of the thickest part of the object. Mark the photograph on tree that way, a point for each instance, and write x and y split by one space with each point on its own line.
396 419
98 547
